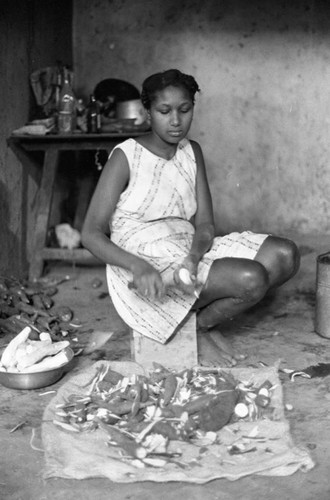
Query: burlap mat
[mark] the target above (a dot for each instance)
(86, 455)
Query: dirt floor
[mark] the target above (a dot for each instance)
(281, 327)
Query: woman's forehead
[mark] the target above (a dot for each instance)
(172, 93)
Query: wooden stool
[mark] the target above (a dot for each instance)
(178, 353)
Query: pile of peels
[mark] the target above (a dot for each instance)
(141, 414)
(25, 303)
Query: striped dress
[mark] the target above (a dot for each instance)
(152, 220)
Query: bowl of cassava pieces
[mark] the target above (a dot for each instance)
(33, 364)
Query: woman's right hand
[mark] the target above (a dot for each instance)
(147, 280)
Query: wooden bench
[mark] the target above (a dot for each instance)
(52, 146)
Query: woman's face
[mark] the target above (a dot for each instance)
(171, 114)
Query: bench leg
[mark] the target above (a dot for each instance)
(44, 204)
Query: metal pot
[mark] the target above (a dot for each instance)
(132, 109)
(322, 302)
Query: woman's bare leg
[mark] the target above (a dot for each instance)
(234, 285)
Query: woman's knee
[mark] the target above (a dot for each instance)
(254, 282)
(239, 279)
(280, 257)
(286, 257)
(289, 256)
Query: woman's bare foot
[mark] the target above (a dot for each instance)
(225, 345)
(214, 353)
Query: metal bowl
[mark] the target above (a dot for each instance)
(35, 380)
(132, 109)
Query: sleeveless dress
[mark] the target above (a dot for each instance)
(152, 220)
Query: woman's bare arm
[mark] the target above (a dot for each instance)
(112, 182)
(204, 220)
(203, 223)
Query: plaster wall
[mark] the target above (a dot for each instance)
(14, 105)
(262, 117)
(33, 34)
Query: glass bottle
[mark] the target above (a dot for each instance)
(67, 105)
(57, 92)
(93, 116)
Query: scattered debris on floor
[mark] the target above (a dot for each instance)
(320, 370)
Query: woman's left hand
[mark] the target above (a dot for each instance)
(185, 275)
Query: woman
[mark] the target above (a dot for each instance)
(154, 194)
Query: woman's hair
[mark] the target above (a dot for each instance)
(159, 81)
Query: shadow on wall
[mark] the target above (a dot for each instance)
(10, 259)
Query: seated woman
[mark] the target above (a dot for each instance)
(154, 195)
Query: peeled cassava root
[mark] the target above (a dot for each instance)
(40, 352)
(9, 354)
(25, 355)
(185, 277)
